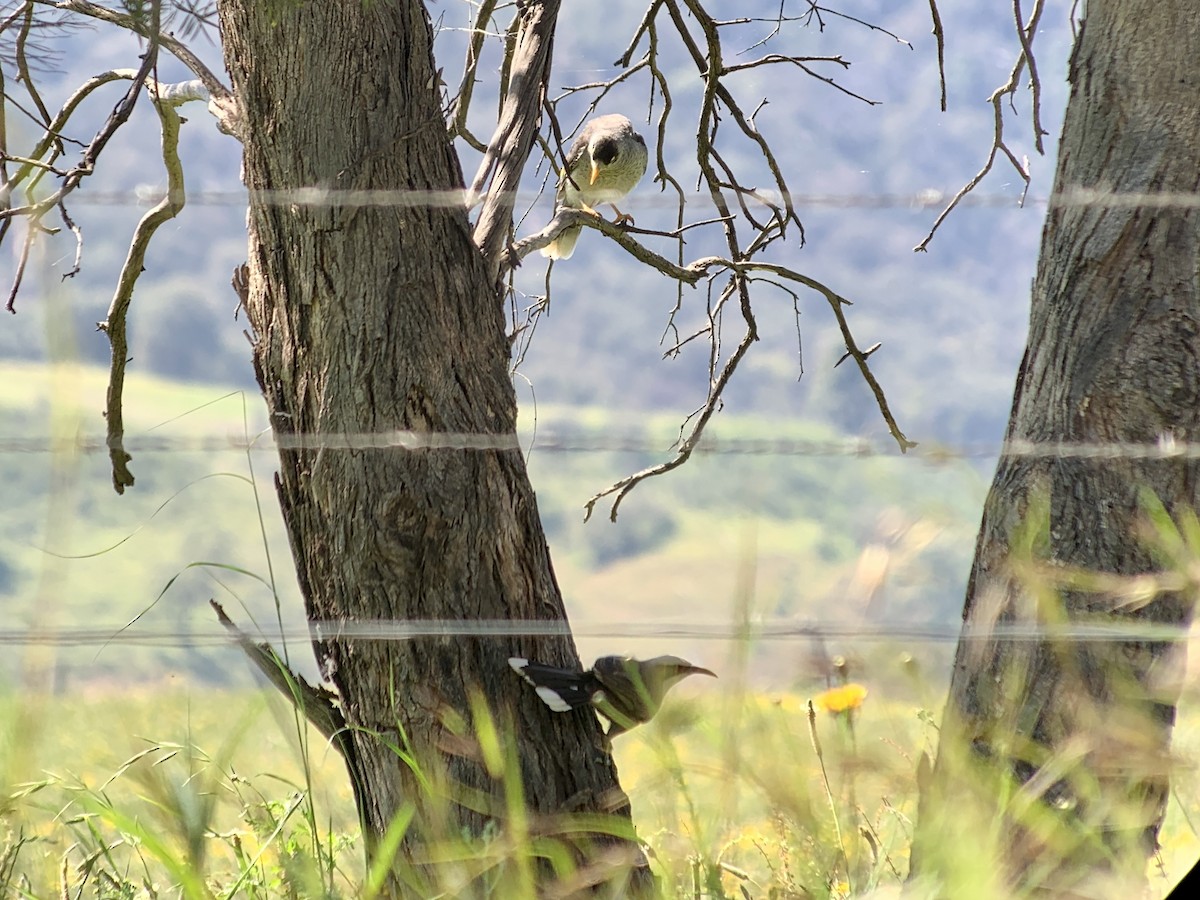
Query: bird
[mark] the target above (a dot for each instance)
(624, 690)
(605, 163)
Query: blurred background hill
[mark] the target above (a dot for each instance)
(801, 511)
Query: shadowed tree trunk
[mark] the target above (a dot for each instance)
(376, 319)
(1059, 745)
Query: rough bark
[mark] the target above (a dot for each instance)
(1060, 745)
(372, 319)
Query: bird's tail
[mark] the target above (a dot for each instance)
(564, 245)
(560, 689)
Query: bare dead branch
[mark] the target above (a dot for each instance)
(52, 136)
(461, 104)
(12, 17)
(1025, 36)
(687, 445)
(5, 189)
(35, 211)
(23, 71)
(75, 230)
(814, 13)
(643, 28)
(750, 217)
(837, 304)
(512, 141)
(33, 163)
(317, 704)
(601, 87)
(776, 27)
(691, 274)
(19, 275)
(567, 217)
(41, 160)
(845, 356)
(939, 35)
(997, 142)
(114, 324)
(773, 58)
(511, 35)
(715, 91)
(664, 177)
(222, 103)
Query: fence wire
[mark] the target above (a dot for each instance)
(548, 443)
(925, 199)
(1166, 447)
(393, 630)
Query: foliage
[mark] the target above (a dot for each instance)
(737, 795)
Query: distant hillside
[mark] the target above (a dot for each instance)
(777, 530)
(951, 321)
(771, 522)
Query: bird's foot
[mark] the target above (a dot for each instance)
(622, 218)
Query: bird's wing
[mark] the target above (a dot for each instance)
(560, 689)
(574, 156)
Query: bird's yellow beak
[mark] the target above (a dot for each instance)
(595, 173)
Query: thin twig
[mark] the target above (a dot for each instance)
(939, 35)
(751, 218)
(686, 446)
(870, 26)
(19, 275)
(222, 100)
(466, 87)
(1025, 30)
(23, 73)
(798, 61)
(75, 230)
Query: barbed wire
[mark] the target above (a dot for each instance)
(1165, 448)
(778, 630)
(929, 198)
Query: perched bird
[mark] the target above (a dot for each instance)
(625, 691)
(604, 164)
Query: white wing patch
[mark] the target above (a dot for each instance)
(551, 698)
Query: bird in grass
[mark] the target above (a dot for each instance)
(624, 690)
(604, 164)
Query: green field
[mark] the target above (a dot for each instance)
(137, 754)
(779, 524)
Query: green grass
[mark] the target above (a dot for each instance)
(201, 793)
(115, 792)
(210, 788)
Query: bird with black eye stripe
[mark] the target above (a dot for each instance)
(624, 690)
(605, 163)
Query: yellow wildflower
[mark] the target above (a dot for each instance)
(841, 699)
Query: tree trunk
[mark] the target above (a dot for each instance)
(1061, 742)
(377, 319)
